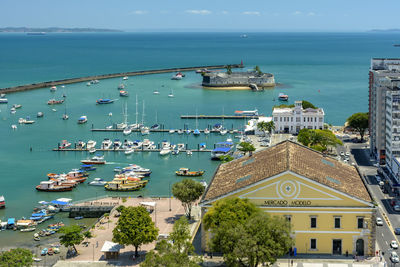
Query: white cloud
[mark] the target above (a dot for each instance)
(224, 12)
(253, 13)
(311, 14)
(138, 12)
(297, 13)
(198, 12)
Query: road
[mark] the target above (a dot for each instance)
(384, 234)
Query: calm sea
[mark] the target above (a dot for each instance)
(329, 70)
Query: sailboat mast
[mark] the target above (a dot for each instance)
(126, 113)
(136, 110)
(143, 114)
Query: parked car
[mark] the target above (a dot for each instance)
(394, 244)
(44, 252)
(396, 208)
(341, 153)
(378, 178)
(397, 231)
(347, 153)
(379, 221)
(394, 257)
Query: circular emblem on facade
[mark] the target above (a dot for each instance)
(287, 189)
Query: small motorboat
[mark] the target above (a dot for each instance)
(31, 229)
(13, 110)
(123, 93)
(91, 144)
(125, 78)
(121, 86)
(65, 116)
(104, 101)
(98, 181)
(106, 144)
(127, 130)
(89, 84)
(94, 160)
(92, 150)
(39, 114)
(196, 132)
(17, 106)
(171, 131)
(171, 94)
(189, 152)
(283, 97)
(82, 120)
(55, 102)
(129, 151)
(223, 131)
(53, 89)
(187, 172)
(3, 100)
(64, 144)
(156, 92)
(177, 76)
(14, 127)
(206, 131)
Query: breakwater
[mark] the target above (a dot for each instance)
(33, 86)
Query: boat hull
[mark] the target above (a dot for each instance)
(93, 162)
(63, 189)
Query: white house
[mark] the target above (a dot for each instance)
(292, 120)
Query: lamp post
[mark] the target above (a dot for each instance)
(169, 195)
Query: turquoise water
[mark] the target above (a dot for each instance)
(330, 70)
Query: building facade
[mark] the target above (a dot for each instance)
(384, 112)
(292, 120)
(222, 79)
(326, 201)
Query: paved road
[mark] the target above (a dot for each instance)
(384, 234)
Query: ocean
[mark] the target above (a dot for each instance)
(328, 69)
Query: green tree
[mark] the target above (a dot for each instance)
(266, 126)
(318, 139)
(176, 251)
(359, 122)
(246, 147)
(226, 158)
(229, 69)
(305, 104)
(258, 70)
(17, 257)
(187, 191)
(71, 236)
(245, 235)
(135, 227)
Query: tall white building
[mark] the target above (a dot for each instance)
(384, 109)
(292, 120)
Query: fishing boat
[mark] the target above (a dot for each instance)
(91, 144)
(177, 76)
(206, 131)
(121, 86)
(94, 160)
(123, 93)
(222, 149)
(98, 181)
(82, 120)
(283, 97)
(64, 144)
(187, 172)
(106, 144)
(125, 78)
(55, 102)
(104, 101)
(53, 186)
(39, 114)
(246, 112)
(53, 89)
(2, 202)
(123, 184)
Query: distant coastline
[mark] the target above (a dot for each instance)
(54, 30)
(385, 30)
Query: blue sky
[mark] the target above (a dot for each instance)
(208, 15)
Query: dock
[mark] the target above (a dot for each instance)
(123, 150)
(220, 117)
(33, 86)
(155, 130)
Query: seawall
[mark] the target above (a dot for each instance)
(33, 86)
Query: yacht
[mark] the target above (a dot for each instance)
(127, 130)
(64, 144)
(137, 144)
(127, 144)
(98, 181)
(129, 151)
(81, 145)
(223, 131)
(106, 144)
(117, 144)
(181, 147)
(91, 144)
(206, 131)
(94, 160)
(122, 125)
(165, 148)
(196, 132)
(147, 144)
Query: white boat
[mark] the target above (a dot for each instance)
(14, 127)
(82, 120)
(31, 229)
(206, 131)
(171, 94)
(91, 144)
(53, 89)
(181, 147)
(54, 110)
(117, 144)
(177, 76)
(109, 127)
(180, 131)
(156, 92)
(17, 106)
(125, 78)
(106, 144)
(246, 112)
(110, 114)
(171, 131)
(147, 144)
(121, 86)
(3, 100)
(145, 130)
(188, 131)
(98, 181)
(39, 114)
(13, 110)
(223, 131)
(129, 151)
(81, 145)
(189, 152)
(122, 125)
(165, 148)
(127, 130)
(88, 84)
(137, 144)
(92, 150)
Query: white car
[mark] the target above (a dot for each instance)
(342, 153)
(347, 153)
(394, 257)
(379, 221)
(396, 208)
(394, 244)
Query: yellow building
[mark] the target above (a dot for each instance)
(326, 201)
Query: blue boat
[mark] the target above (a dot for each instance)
(10, 222)
(196, 132)
(202, 146)
(87, 167)
(217, 127)
(222, 149)
(104, 101)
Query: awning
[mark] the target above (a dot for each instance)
(57, 202)
(11, 221)
(110, 247)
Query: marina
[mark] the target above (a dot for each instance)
(220, 117)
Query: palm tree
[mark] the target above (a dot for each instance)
(266, 126)
(270, 126)
(229, 69)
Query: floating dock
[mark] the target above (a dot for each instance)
(219, 117)
(123, 150)
(33, 86)
(157, 130)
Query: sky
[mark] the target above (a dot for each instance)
(204, 15)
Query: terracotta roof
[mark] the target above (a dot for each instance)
(286, 156)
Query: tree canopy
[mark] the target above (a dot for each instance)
(318, 139)
(266, 126)
(229, 69)
(176, 251)
(245, 235)
(135, 227)
(71, 236)
(304, 104)
(17, 257)
(359, 122)
(187, 191)
(246, 147)
(226, 158)
(258, 70)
